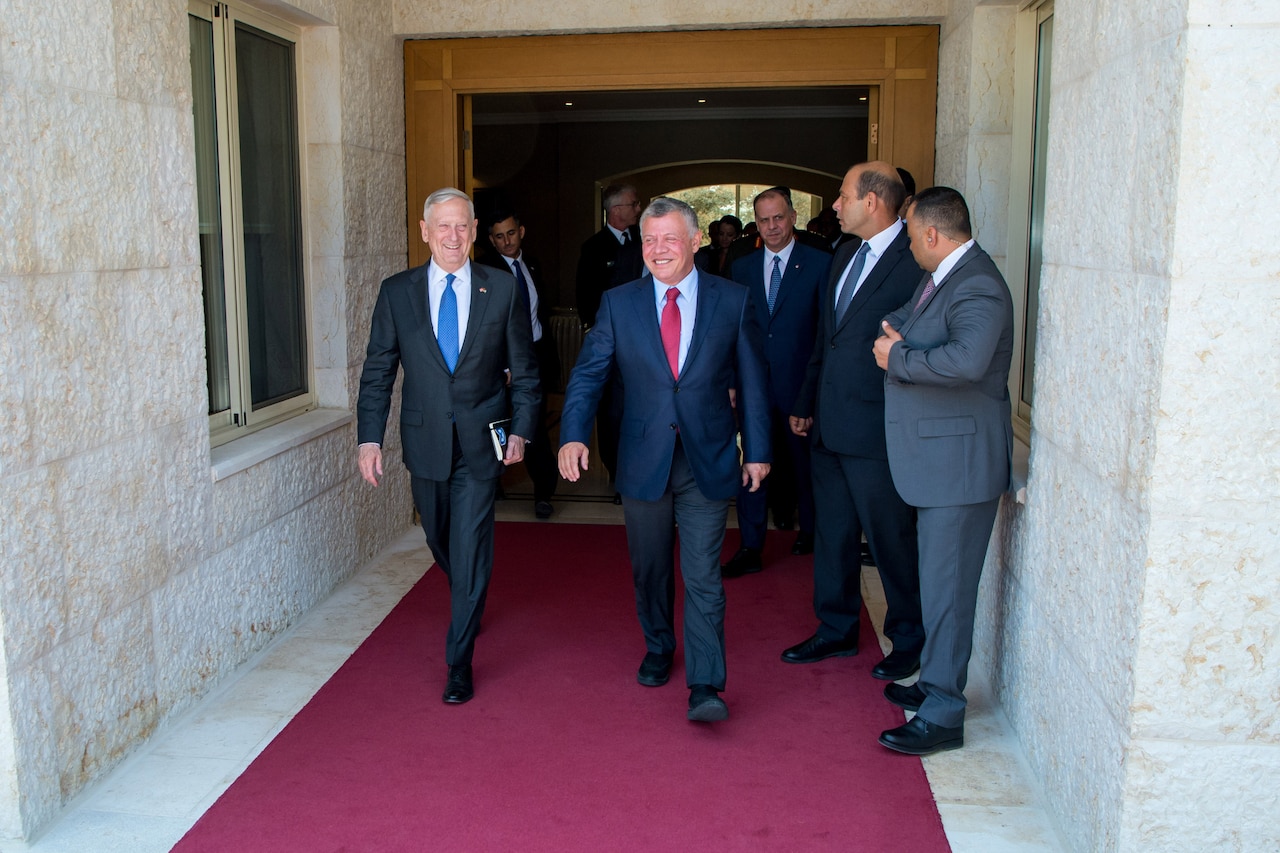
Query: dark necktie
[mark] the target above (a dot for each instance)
(522, 288)
(928, 290)
(851, 281)
(626, 237)
(671, 331)
(775, 281)
(447, 324)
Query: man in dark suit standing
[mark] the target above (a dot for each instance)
(785, 281)
(946, 356)
(841, 406)
(680, 339)
(455, 328)
(610, 257)
(506, 235)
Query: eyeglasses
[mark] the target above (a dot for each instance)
(625, 204)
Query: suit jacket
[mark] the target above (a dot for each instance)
(790, 331)
(498, 337)
(843, 388)
(602, 264)
(947, 408)
(725, 345)
(544, 347)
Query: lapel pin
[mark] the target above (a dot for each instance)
(482, 290)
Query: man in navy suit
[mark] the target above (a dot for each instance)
(946, 354)
(506, 234)
(680, 341)
(785, 281)
(455, 328)
(842, 408)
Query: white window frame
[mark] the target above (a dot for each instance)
(241, 418)
(1026, 68)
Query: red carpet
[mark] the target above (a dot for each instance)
(561, 750)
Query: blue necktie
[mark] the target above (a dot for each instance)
(522, 287)
(851, 281)
(775, 281)
(447, 324)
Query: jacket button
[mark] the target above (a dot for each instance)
(673, 426)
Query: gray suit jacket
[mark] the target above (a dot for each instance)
(498, 337)
(947, 410)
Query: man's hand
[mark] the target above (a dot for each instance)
(573, 460)
(369, 459)
(515, 450)
(733, 398)
(754, 473)
(884, 343)
(800, 426)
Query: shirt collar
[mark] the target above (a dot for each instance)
(785, 254)
(950, 261)
(877, 245)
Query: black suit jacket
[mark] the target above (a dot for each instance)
(844, 388)
(544, 347)
(498, 337)
(602, 264)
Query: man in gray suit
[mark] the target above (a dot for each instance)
(455, 328)
(946, 356)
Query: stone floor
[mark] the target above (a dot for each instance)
(985, 793)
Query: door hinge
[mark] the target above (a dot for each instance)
(875, 133)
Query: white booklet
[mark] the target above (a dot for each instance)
(498, 431)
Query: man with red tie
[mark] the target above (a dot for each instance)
(680, 341)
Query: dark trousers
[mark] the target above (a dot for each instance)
(651, 534)
(457, 517)
(856, 496)
(789, 485)
(539, 457)
(953, 547)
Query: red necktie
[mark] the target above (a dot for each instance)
(671, 331)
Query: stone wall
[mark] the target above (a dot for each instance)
(132, 581)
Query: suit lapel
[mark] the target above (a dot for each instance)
(790, 273)
(938, 285)
(708, 297)
(480, 300)
(879, 273)
(420, 300)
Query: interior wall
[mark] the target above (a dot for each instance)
(549, 171)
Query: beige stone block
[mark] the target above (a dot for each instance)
(325, 210)
(32, 688)
(1209, 651)
(17, 346)
(991, 70)
(328, 314)
(104, 695)
(1231, 112)
(171, 188)
(111, 504)
(1096, 380)
(164, 351)
(387, 206)
(71, 357)
(320, 75)
(987, 190)
(1232, 13)
(1196, 796)
(33, 600)
(356, 165)
(60, 43)
(188, 491)
(16, 179)
(151, 42)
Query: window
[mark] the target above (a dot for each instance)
(714, 201)
(1026, 215)
(248, 186)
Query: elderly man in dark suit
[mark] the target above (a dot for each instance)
(841, 406)
(506, 235)
(946, 356)
(785, 281)
(680, 339)
(455, 328)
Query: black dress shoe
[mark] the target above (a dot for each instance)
(458, 688)
(784, 522)
(655, 669)
(815, 649)
(542, 509)
(896, 666)
(909, 697)
(617, 498)
(803, 544)
(745, 562)
(919, 737)
(705, 705)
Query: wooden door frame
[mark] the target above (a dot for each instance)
(899, 64)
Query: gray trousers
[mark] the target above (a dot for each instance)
(953, 546)
(651, 534)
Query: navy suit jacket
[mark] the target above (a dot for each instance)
(725, 346)
(499, 336)
(844, 387)
(789, 333)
